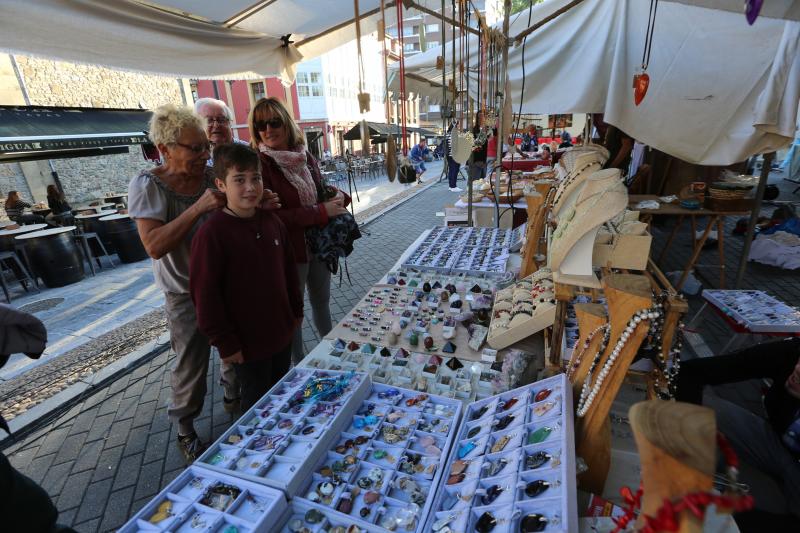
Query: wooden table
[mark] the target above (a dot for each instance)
(525, 165)
(715, 218)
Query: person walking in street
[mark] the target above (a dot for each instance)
(168, 203)
(291, 171)
(453, 166)
(243, 279)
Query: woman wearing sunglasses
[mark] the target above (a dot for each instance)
(289, 170)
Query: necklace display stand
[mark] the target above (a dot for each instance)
(677, 448)
(570, 253)
(590, 317)
(584, 166)
(537, 215)
(626, 294)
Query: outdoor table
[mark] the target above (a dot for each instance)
(42, 212)
(6, 223)
(95, 208)
(715, 218)
(7, 235)
(739, 333)
(121, 231)
(525, 165)
(90, 224)
(53, 255)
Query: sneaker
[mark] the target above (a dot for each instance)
(231, 406)
(191, 447)
(456, 189)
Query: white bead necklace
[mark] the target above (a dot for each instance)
(606, 330)
(589, 392)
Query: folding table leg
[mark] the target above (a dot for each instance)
(721, 250)
(697, 249)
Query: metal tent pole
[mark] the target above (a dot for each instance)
(751, 225)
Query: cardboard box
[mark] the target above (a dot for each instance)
(623, 251)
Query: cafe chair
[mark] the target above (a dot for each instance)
(18, 269)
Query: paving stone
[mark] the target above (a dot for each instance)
(107, 463)
(94, 500)
(136, 441)
(100, 427)
(55, 478)
(21, 459)
(39, 466)
(53, 441)
(156, 447)
(127, 472)
(90, 526)
(83, 422)
(65, 518)
(135, 388)
(70, 448)
(76, 485)
(149, 480)
(117, 509)
(144, 414)
(126, 409)
(118, 433)
(87, 459)
(110, 404)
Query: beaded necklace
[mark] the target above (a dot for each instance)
(589, 392)
(606, 330)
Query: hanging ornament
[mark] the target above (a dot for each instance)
(363, 96)
(363, 102)
(439, 62)
(365, 145)
(641, 80)
(751, 10)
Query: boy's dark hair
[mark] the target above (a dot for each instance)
(238, 156)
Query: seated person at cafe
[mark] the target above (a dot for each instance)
(15, 207)
(57, 202)
(566, 140)
(544, 153)
(243, 279)
(768, 443)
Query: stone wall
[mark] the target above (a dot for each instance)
(58, 83)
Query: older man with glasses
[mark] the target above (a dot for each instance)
(218, 123)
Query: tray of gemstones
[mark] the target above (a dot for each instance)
(289, 428)
(203, 500)
(303, 516)
(420, 318)
(444, 247)
(481, 260)
(512, 466)
(382, 470)
(392, 365)
(756, 310)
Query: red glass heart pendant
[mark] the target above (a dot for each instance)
(640, 84)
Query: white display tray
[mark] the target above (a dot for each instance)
(286, 464)
(418, 418)
(751, 309)
(512, 503)
(253, 511)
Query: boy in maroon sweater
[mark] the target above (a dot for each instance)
(243, 279)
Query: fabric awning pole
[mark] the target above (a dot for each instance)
(751, 224)
(500, 125)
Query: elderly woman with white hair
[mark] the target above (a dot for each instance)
(168, 203)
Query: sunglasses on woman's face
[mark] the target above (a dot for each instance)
(274, 123)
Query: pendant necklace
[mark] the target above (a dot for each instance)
(258, 231)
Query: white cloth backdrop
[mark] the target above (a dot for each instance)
(720, 90)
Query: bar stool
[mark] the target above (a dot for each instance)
(26, 277)
(84, 239)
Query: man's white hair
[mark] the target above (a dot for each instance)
(205, 101)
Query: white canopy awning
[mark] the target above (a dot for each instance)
(234, 39)
(720, 90)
